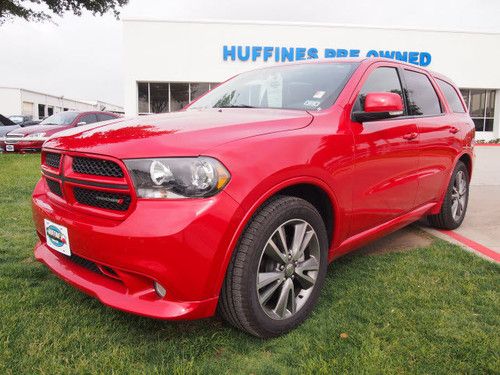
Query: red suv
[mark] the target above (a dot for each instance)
(237, 203)
(31, 139)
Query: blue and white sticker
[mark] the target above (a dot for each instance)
(57, 237)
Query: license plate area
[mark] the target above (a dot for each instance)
(57, 237)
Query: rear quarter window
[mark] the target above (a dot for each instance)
(451, 96)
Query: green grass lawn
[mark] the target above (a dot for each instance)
(430, 310)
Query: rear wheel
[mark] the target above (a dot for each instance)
(277, 270)
(454, 206)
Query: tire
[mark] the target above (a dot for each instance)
(448, 218)
(247, 297)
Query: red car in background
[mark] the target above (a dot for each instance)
(237, 203)
(30, 139)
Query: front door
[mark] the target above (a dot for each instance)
(386, 158)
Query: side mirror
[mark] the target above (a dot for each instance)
(379, 106)
(81, 123)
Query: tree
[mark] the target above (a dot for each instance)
(42, 10)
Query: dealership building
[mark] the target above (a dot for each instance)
(39, 105)
(170, 63)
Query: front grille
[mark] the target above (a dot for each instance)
(102, 199)
(54, 187)
(97, 167)
(91, 266)
(53, 160)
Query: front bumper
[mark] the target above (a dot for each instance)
(180, 244)
(21, 144)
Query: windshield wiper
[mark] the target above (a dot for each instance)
(235, 106)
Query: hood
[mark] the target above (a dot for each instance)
(7, 129)
(47, 129)
(185, 133)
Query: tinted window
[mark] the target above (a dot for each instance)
(104, 117)
(422, 98)
(451, 96)
(143, 94)
(198, 89)
(41, 111)
(88, 119)
(179, 96)
(158, 97)
(380, 80)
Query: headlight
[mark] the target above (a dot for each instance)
(37, 135)
(176, 178)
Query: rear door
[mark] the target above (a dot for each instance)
(436, 132)
(386, 156)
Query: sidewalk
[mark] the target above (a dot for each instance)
(480, 231)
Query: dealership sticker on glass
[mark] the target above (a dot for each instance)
(57, 237)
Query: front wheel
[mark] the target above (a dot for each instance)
(455, 202)
(277, 270)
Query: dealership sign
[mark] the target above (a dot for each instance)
(285, 54)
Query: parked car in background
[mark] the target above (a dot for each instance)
(31, 138)
(238, 202)
(5, 121)
(8, 124)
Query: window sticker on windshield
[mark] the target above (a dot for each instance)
(312, 103)
(274, 88)
(319, 94)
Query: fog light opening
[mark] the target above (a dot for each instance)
(160, 290)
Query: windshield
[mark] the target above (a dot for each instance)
(61, 118)
(304, 86)
(16, 119)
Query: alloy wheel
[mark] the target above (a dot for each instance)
(458, 196)
(288, 269)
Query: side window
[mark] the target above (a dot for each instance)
(451, 96)
(88, 119)
(422, 98)
(104, 117)
(383, 79)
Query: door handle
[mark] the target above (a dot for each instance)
(453, 130)
(410, 136)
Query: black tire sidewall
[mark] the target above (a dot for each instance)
(299, 209)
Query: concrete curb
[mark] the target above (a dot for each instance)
(465, 243)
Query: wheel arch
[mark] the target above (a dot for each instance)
(467, 159)
(311, 189)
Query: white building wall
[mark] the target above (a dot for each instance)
(185, 51)
(10, 101)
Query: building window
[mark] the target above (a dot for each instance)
(41, 111)
(481, 106)
(50, 111)
(179, 96)
(143, 93)
(160, 97)
(198, 89)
